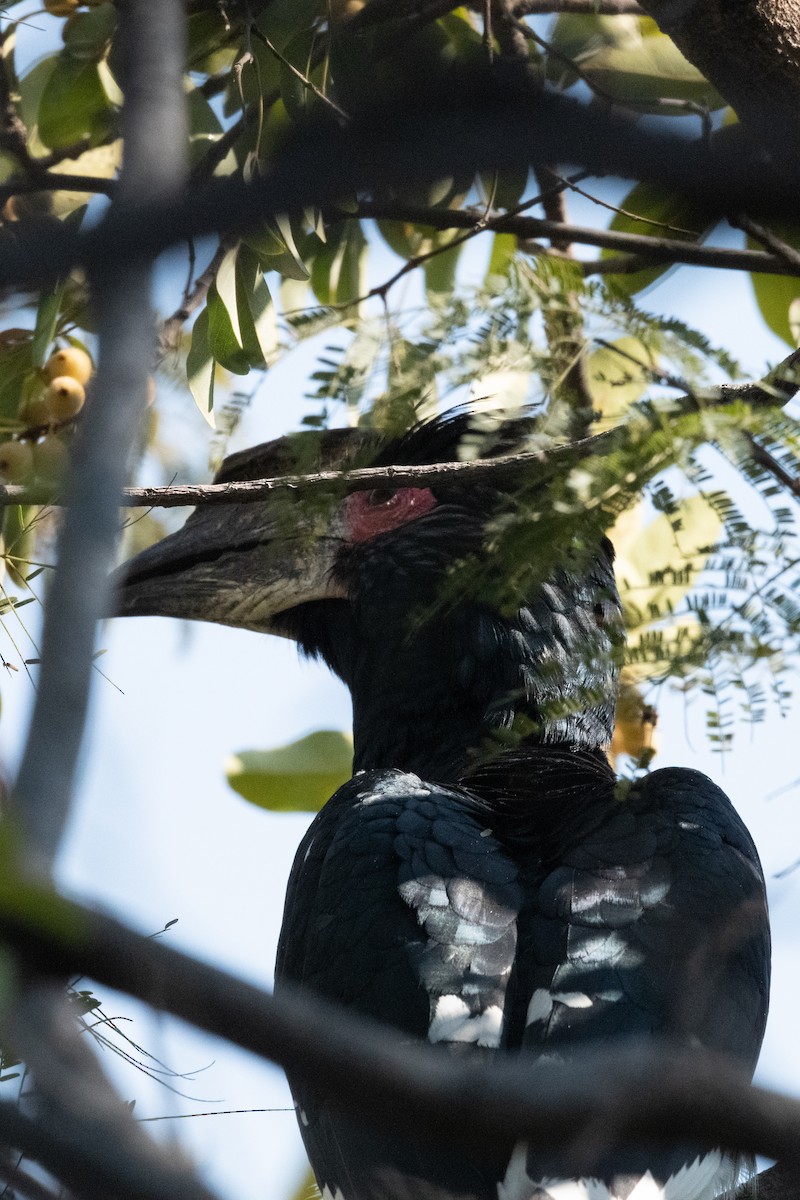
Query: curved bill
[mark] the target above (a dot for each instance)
(239, 564)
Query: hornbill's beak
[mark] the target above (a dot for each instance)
(241, 564)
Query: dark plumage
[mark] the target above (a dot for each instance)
(482, 882)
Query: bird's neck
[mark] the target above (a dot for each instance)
(473, 685)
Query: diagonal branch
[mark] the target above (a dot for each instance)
(662, 1094)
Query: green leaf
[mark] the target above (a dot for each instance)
(440, 272)
(74, 104)
(87, 35)
(299, 777)
(663, 214)
(778, 296)
(256, 310)
(647, 73)
(200, 368)
(338, 272)
(46, 320)
(225, 346)
(296, 95)
(225, 284)
(16, 364)
(614, 380)
(504, 247)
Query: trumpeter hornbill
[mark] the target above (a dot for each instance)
(481, 882)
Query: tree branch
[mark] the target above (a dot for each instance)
(652, 249)
(635, 1093)
(420, 136)
(155, 138)
(591, 8)
(776, 388)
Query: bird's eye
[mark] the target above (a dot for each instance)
(380, 497)
(385, 508)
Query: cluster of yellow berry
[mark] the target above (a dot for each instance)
(60, 399)
(65, 8)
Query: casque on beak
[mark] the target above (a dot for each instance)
(242, 564)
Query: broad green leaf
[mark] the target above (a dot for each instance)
(46, 320)
(256, 310)
(202, 118)
(31, 87)
(225, 284)
(102, 161)
(614, 381)
(578, 36)
(200, 368)
(644, 74)
(338, 271)
(440, 272)
(299, 777)
(297, 96)
(504, 247)
(74, 104)
(663, 214)
(16, 364)
(281, 19)
(87, 35)
(225, 346)
(777, 296)
(19, 537)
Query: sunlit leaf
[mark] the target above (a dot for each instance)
(225, 283)
(200, 368)
(777, 296)
(657, 565)
(615, 380)
(256, 311)
(338, 271)
(298, 777)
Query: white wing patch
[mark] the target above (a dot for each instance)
(710, 1175)
(453, 1022)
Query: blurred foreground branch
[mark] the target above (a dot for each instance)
(661, 1094)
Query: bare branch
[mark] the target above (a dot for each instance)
(653, 249)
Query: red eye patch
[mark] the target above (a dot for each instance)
(371, 513)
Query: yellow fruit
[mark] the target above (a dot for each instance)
(65, 398)
(16, 461)
(36, 411)
(50, 458)
(71, 361)
(61, 8)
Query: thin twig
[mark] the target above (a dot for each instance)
(767, 238)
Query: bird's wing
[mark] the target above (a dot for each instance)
(649, 919)
(401, 904)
